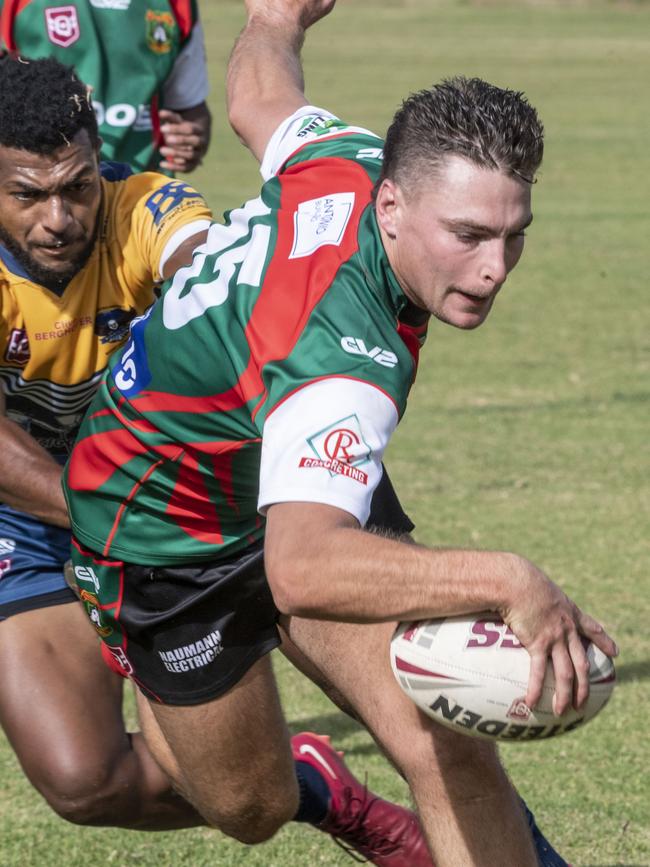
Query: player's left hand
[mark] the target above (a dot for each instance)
(185, 141)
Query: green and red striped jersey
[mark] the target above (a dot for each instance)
(272, 369)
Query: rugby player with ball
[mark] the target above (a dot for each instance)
(222, 478)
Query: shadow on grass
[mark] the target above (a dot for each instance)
(338, 726)
(626, 672)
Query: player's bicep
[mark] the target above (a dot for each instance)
(180, 251)
(324, 444)
(307, 124)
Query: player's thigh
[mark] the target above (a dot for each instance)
(232, 752)
(351, 662)
(60, 706)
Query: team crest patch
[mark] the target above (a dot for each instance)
(339, 448)
(112, 324)
(160, 29)
(17, 347)
(62, 25)
(91, 604)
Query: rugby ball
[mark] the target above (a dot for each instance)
(470, 673)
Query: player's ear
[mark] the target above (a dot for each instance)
(388, 206)
(98, 147)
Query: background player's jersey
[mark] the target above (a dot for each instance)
(131, 54)
(271, 370)
(54, 348)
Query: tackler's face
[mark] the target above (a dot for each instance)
(453, 240)
(48, 208)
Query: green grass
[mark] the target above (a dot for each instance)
(529, 434)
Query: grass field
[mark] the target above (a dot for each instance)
(530, 434)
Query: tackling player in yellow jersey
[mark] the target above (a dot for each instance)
(82, 247)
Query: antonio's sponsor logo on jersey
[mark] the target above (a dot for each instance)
(160, 27)
(356, 346)
(5, 566)
(339, 448)
(62, 25)
(320, 221)
(112, 323)
(17, 347)
(195, 655)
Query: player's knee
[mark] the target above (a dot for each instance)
(252, 820)
(84, 794)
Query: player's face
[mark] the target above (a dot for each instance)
(453, 241)
(48, 208)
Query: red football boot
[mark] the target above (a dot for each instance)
(385, 834)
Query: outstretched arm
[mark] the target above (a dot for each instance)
(265, 83)
(349, 575)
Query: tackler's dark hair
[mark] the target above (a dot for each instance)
(43, 105)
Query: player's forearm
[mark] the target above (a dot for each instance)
(30, 480)
(265, 81)
(355, 576)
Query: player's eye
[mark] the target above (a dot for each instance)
(25, 195)
(468, 238)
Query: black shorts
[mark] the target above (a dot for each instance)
(188, 634)
(184, 634)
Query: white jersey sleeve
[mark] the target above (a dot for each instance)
(187, 84)
(325, 443)
(306, 124)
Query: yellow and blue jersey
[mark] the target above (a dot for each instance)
(55, 347)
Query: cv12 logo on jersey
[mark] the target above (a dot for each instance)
(356, 346)
(62, 25)
(339, 448)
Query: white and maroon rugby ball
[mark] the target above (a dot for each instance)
(470, 673)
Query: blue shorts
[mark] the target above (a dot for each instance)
(32, 555)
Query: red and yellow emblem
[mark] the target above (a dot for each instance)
(160, 28)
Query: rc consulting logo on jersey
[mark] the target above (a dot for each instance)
(339, 448)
